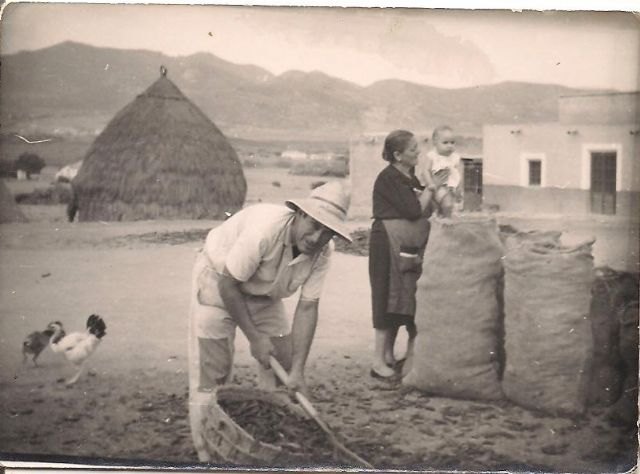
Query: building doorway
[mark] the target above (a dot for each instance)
(603, 182)
(472, 184)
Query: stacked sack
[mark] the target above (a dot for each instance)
(510, 237)
(625, 410)
(518, 314)
(614, 322)
(606, 382)
(548, 339)
(457, 347)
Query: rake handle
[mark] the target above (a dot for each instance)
(313, 413)
(284, 378)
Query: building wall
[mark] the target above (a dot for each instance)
(294, 155)
(566, 164)
(555, 200)
(606, 109)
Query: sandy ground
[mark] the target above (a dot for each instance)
(132, 404)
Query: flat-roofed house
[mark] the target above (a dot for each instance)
(585, 163)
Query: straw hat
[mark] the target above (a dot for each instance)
(328, 204)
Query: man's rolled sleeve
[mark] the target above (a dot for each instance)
(245, 255)
(312, 287)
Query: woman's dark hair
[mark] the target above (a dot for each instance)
(398, 140)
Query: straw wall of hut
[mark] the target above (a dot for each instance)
(159, 157)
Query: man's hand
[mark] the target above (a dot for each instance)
(297, 383)
(261, 349)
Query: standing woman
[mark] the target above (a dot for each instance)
(398, 238)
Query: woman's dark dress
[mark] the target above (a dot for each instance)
(393, 198)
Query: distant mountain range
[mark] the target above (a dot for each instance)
(73, 88)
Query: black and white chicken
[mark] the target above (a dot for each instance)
(36, 342)
(77, 347)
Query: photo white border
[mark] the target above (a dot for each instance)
(513, 5)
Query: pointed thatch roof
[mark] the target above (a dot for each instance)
(9, 210)
(159, 157)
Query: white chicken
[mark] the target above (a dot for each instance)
(77, 347)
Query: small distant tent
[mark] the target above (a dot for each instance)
(9, 210)
(67, 173)
(159, 158)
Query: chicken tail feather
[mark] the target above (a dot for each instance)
(96, 326)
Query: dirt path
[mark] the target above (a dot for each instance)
(133, 403)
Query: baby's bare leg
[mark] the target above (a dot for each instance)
(446, 204)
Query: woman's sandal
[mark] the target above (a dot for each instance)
(389, 378)
(398, 364)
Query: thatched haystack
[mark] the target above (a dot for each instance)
(159, 158)
(9, 210)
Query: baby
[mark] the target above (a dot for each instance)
(442, 161)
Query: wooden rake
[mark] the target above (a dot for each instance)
(311, 411)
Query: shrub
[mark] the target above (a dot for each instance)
(266, 162)
(359, 246)
(30, 163)
(335, 167)
(275, 184)
(55, 194)
(7, 168)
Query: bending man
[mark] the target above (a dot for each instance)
(259, 256)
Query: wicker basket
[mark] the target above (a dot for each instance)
(227, 441)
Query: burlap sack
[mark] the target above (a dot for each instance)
(625, 297)
(625, 410)
(457, 311)
(512, 237)
(606, 374)
(548, 338)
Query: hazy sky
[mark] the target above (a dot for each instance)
(443, 48)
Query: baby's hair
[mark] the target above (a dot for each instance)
(438, 130)
(398, 140)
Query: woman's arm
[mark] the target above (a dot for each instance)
(396, 194)
(425, 170)
(426, 196)
(429, 193)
